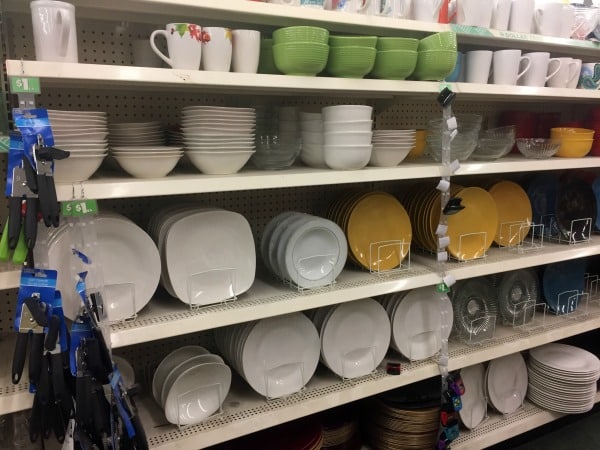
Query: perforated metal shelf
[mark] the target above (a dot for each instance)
(13, 397)
(246, 412)
(499, 428)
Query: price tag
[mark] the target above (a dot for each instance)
(78, 208)
(442, 288)
(25, 85)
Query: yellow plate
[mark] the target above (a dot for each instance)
(514, 213)
(472, 230)
(378, 217)
(433, 213)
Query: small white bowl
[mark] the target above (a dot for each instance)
(315, 126)
(219, 163)
(388, 157)
(77, 168)
(347, 157)
(348, 138)
(341, 113)
(145, 148)
(312, 138)
(353, 125)
(222, 148)
(83, 148)
(313, 160)
(147, 155)
(144, 166)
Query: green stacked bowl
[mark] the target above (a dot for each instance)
(437, 56)
(397, 43)
(266, 62)
(300, 50)
(445, 40)
(351, 56)
(394, 64)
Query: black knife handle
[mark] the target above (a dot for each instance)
(31, 222)
(19, 356)
(54, 208)
(52, 334)
(35, 421)
(58, 377)
(14, 221)
(58, 423)
(45, 200)
(43, 385)
(36, 356)
(83, 404)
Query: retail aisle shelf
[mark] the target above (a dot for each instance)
(169, 317)
(245, 412)
(498, 428)
(13, 397)
(113, 185)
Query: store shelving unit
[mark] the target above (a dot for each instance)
(244, 411)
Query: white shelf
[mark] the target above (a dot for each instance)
(498, 428)
(169, 317)
(112, 185)
(13, 397)
(246, 412)
(10, 275)
(72, 75)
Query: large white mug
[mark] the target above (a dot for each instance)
(567, 21)
(478, 65)
(521, 16)
(548, 19)
(54, 31)
(184, 45)
(542, 69)
(246, 51)
(476, 13)
(427, 10)
(400, 9)
(506, 66)
(568, 71)
(572, 83)
(217, 49)
(501, 14)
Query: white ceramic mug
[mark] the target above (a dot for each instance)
(427, 10)
(184, 45)
(246, 51)
(501, 14)
(478, 65)
(143, 55)
(542, 68)
(572, 83)
(399, 9)
(568, 71)
(352, 6)
(54, 31)
(475, 13)
(217, 49)
(521, 16)
(548, 18)
(567, 21)
(506, 66)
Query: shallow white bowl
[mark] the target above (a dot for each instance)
(340, 113)
(316, 160)
(387, 157)
(146, 148)
(219, 163)
(144, 166)
(347, 157)
(148, 154)
(315, 126)
(81, 148)
(352, 125)
(312, 138)
(221, 148)
(348, 138)
(77, 168)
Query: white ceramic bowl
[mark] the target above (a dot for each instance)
(312, 138)
(288, 126)
(77, 168)
(219, 163)
(315, 126)
(146, 148)
(379, 140)
(348, 138)
(67, 138)
(388, 157)
(149, 154)
(80, 148)
(347, 157)
(351, 125)
(341, 113)
(221, 148)
(313, 160)
(307, 116)
(144, 166)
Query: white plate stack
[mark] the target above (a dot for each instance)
(138, 134)
(355, 336)
(218, 140)
(276, 356)
(84, 134)
(190, 384)
(390, 147)
(129, 260)
(563, 378)
(416, 320)
(207, 254)
(474, 403)
(306, 250)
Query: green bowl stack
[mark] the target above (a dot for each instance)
(351, 56)
(266, 62)
(300, 50)
(437, 56)
(396, 58)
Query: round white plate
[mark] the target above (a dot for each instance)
(134, 125)
(566, 358)
(266, 236)
(474, 404)
(74, 114)
(507, 383)
(219, 109)
(125, 369)
(275, 238)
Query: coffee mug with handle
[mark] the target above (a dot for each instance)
(501, 14)
(521, 16)
(427, 10)
(548, 19)
(542, 69)
(184, 45)
(217, 49)
(399, 9)
(508, 66)
(474, 13)
(478, 65)
(568, 71)
(54, 31)
(573, 81)
(590, 76)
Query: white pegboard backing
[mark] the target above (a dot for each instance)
(8, 301)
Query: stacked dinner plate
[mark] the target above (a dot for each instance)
(563, 284)
(390, 147)
(83, 134)
(377, 228)
(190, 384)
(474, 403)
(128, 258)
(218, 140)
(126, 134)
(306, 250)
(417, 324)
(208, 254)
(506, 383)
(514, 213)
(518, 294)
(563, 378)
(276, 356)
(354, 336)
(475, 307)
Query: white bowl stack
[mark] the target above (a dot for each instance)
(218, 140)
(311, 127)
(84, 135)
(136, 134)
(390, 147)
(347, 136)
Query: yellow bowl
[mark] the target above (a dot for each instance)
(419, 147)
(581, 133)
(574, 148)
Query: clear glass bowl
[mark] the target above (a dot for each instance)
(461, 147)
(275, 151)
(508, 132)
(538, 148)
(491, 148)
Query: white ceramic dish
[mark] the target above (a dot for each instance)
(145, 166)
(474, 404)
(146, 149)
(77, 168)
(347, 157)
(81, 136)
(219, 163)
(349, 126)
(133, 125)
(388, 157)
(348, 138)
(507, 383)
(125, 369)
(341, 113)
(73, 113)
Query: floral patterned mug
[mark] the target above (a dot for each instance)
(184, 45)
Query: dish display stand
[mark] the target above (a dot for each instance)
(375, 248)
